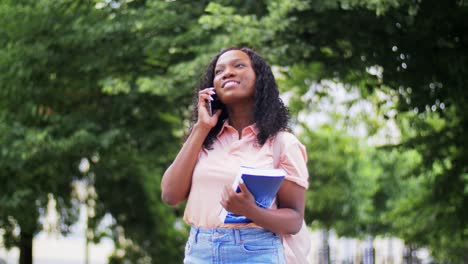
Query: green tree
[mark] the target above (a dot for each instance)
(80, 80)
(431, 85)
(398, 45)
(342, 182)
(110, 81)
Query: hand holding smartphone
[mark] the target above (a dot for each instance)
(213, 105)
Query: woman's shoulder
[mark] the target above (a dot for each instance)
(286, 137)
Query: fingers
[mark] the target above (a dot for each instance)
(237, 203)
(207, 90)
(217, 113)
(205, 94)
(228, 193)
(225, 195)
(204, 99)
(244, 188)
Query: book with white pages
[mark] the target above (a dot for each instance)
(262, 183)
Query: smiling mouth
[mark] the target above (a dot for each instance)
(230, 83)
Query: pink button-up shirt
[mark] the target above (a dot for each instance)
(218, 167)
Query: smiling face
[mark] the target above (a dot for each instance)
(234, 77)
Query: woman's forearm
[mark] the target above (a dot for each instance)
(286, 219)
(177, 179)
(280, 221)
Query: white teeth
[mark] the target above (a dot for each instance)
(230, 83)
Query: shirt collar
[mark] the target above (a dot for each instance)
(252, 128)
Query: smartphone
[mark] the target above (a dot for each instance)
(213, 105)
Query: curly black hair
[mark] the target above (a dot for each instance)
(270, 113)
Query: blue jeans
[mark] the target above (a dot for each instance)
(233, 245)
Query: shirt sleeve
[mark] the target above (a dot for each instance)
(293, 159)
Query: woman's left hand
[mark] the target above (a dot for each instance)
(238, 203)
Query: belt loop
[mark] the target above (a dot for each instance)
(237, 236)
(197, 230)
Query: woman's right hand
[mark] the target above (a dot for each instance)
(177, 179)
(204, 118)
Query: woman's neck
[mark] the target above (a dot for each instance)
(240, 117)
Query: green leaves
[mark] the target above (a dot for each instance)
(69, 90)
(342, 180)
(115, 80)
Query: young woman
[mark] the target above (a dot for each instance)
(241, 133)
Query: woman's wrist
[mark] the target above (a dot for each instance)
(199, 131)
(201, 128)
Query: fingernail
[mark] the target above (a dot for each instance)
(211, 98)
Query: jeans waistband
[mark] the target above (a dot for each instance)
(236, 235)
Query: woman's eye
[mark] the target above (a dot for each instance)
(240, 65)
(218, 72)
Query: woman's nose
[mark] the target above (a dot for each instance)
(228, 72)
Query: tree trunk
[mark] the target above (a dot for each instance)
(358, 255)
(325, 256)
(390, 251)
(409, 255)
(26, 243)
(369, 251)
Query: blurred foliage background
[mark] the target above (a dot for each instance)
(110, 84)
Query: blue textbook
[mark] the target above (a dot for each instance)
(262, 183)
